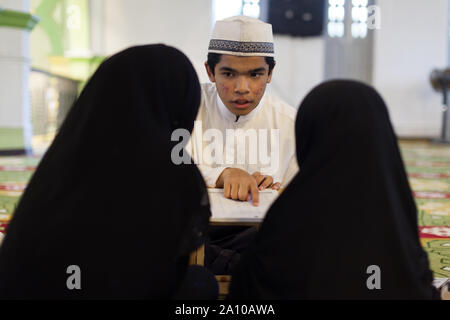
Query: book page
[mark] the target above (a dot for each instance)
(228, 210)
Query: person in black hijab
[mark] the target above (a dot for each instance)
(346, 226)
(106, 197)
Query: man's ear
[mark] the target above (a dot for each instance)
(271, 73)
(209, 72)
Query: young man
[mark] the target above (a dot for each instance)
(252, 133)
(243, 140)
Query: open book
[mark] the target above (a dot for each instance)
(235, 211)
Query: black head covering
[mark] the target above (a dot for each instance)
(106, 196)
(349, 207)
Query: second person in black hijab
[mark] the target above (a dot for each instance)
(347, 215)
(106, 198)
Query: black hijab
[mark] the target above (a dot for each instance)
(106, 196)
(349, 207)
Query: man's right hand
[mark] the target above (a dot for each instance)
(237, 184)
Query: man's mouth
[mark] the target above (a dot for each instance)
(241, 103)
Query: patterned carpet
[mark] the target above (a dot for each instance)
(15, 172)
(428, 167)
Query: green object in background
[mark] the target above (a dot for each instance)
(438, 253)
(83, 68)
(54, 28)
(11, 139)
(17, 19)
(66, 23)
(65, 27)
(77, 29)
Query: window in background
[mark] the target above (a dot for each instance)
(349, 47)
(251, 8)
(51, 97)
(336, 17)
(227, 8)
(359, 18)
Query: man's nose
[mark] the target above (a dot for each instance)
(242, 86)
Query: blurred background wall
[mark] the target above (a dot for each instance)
(392, 45)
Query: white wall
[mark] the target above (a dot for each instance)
(182, 24)
(299, 67)
(17, 5)
(14, 75)
(411, 42)
(14, 62)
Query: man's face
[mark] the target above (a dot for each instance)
(240, 82)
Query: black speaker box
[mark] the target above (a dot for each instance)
(301, 18)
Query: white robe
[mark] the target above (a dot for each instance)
(272, 152)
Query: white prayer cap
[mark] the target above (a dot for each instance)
(242, 36)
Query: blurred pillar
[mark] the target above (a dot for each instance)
(15, 112)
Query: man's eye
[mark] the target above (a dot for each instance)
(227, 74)
(256, 75)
